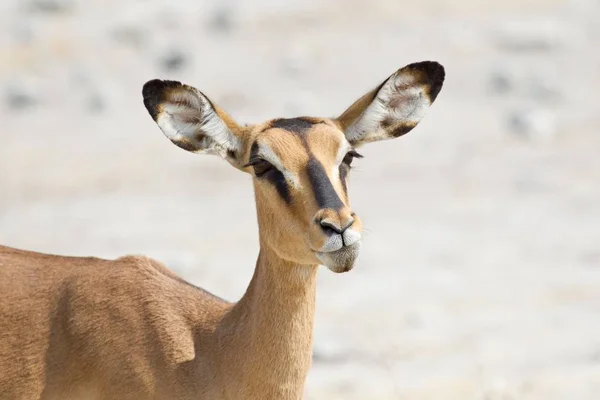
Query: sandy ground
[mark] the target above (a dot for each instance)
(480, 274)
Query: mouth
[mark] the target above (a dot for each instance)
(341, 260)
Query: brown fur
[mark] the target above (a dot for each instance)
(88, 328)
(131, 329)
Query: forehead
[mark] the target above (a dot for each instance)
(294, 140)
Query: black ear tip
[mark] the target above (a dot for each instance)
(156, 87)
(152, 87)
(153, 93)
(432, 69)
(433, 74)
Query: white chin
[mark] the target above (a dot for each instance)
(341, 260)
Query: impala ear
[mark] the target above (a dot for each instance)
(191, 121)
(394, 107)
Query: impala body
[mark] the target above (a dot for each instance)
(88, 328)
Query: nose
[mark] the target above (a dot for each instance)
(333, 226)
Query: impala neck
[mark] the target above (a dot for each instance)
(274, 325)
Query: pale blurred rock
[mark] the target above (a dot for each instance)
(297, 60)
(501, 81)
(129, 35)
(545, 86)
(50, 6)
(19, 94)
(223, 19)
(96, 103)
(534, 36)
(173, 60)
(537, 125)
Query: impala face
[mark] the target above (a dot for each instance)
(300, 166)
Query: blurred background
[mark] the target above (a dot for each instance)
(480, 274)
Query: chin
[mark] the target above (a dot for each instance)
(341, 260)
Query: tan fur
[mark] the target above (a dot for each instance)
(88, 328)
(131, 329)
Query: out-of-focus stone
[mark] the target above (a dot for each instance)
(20, 95)
(534, 36)
(49, 6)
(222, 19)
(538, 125)
(96, 103)
(545, 87)
(129, 35)
(501, 82)
(297, 60)
(173, 60)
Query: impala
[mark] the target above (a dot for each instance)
(130, 328)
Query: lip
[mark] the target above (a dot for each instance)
(343, 249)
(341, 260)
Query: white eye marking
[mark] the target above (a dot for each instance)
(345, 147)
(268, 154)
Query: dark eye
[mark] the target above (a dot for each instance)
(351, 155)
(261, 167)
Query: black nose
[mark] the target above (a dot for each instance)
(332, 227)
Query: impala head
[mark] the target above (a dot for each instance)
(300, 166)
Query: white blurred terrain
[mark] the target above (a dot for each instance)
(480, 273)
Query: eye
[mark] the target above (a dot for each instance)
(261, 167)
(350, 156)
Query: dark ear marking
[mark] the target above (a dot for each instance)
(185, 144)
(432, 76)
(401, 129)
(153, 93)
(191, 121)
(396, 106)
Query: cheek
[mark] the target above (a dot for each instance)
(283, 216)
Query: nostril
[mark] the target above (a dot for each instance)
(329, 227)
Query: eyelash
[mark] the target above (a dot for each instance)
(256, 162)
(348, 158)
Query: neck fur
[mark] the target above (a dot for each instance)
(272, 327)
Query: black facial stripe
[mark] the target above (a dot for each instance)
(296, 125)
(325, 194)
(274, 176)
(278, 180)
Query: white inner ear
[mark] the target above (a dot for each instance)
(401, 98)
(189, 116)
